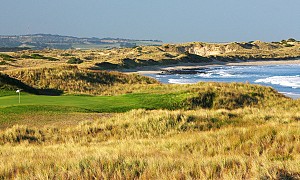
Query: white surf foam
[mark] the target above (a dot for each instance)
(287, 81)
(225, 74)
(291, 95)
(181, 81)
(160, 76)
(205, 75)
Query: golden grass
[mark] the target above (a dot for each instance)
(70, 79)
(247, 143)
(155, 55)
(52, 119)
(257, 140)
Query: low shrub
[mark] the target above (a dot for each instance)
(74, 60)
(66, 54)
(3, 63)
(38, 56)
(6, 57)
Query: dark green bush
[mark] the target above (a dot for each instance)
(221, 100)
(66, 54)
(6, 57)
(51, 59)
(291, 40)
(204, 100)
(2, 63)
(74, 60)
(25, 56)
(89, 58)
(37, 56)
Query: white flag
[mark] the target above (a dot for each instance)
(18, 91)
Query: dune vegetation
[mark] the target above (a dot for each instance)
(199, 131)
(71, 79)
(126, 58)
(78, 121)
(149, 144)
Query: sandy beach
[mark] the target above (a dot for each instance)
(158, 69)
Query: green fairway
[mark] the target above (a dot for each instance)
(41, 110)
(73, 103)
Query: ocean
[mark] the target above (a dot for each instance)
(284, 78)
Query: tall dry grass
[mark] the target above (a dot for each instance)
(70, 79)
(248, 143)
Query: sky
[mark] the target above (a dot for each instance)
(166, 20)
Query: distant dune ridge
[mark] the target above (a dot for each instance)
(49, 68)
(141, 56)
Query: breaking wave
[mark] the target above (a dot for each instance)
(284, 78)
(181, 81)
(287, 81)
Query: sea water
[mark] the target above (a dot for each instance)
(284, 78)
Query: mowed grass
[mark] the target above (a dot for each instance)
(39, 110)
(73, 103)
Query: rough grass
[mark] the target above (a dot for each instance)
(47, 118)
(202, 95)
(201, 144)
(212, 143)
(199, 131)
(70, 79)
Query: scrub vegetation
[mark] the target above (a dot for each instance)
(205, 130)
(80, 122)
(71, 79)
(167, 54)
(150, 144)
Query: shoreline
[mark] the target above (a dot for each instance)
(172, 69)
(188, 66)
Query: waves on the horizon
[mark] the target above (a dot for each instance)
(284, 78)
(215, 74)
(287, 81)
(292, 95)
(181, 81)
(229, 72)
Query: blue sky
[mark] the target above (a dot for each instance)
(167, 20)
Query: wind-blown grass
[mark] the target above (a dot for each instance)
(71, 79)
(158, 144)
(171, 97)
(199, 131)
(149, 130)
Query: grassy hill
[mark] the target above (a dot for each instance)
(152, 96)
(70, 79)
(198, 138)
(9, 85)
(109, 125)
